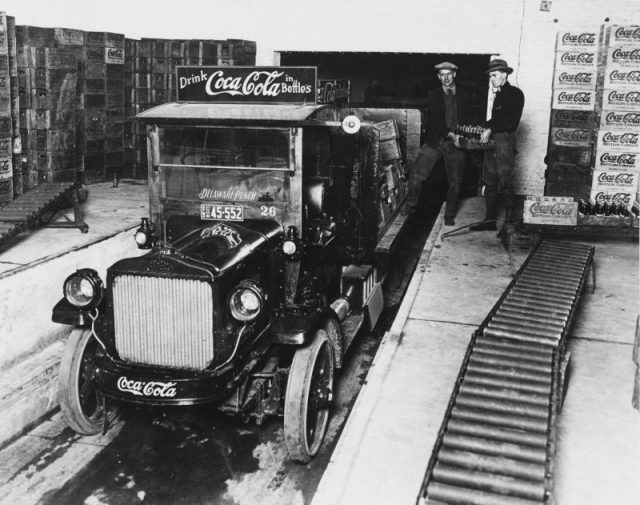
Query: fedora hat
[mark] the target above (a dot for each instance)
(499, 65)
(446, 65)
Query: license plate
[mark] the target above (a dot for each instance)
(222, 212)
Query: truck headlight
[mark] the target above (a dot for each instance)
(83, 288)
(289, 247)
(245, 302)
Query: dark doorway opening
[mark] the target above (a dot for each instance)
(383, 79)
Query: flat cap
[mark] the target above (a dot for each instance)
(446, 65)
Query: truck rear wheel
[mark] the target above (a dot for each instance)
(308, 398)
(80, 402)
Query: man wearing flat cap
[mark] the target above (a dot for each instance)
(503, 117)
(447, 106)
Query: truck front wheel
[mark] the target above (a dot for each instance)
(308, 398)
(80, 402)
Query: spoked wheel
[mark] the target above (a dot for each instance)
(308, 398)
(80, 402)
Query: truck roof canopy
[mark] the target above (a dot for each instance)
(284, 114)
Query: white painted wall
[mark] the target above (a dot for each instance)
(515, 29)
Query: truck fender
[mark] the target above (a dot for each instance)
(297, 326)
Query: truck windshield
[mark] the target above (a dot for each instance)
(260, 148)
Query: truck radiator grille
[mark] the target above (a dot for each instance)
(164, 322)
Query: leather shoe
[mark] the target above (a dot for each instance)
(484, 225)
(449, 221)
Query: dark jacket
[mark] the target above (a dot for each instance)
(507, 110)
(435, 114)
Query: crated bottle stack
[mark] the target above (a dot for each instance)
(605, 208)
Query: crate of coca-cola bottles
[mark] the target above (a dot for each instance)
(470, 136)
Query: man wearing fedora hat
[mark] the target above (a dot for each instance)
(503, 116)
(447, 106)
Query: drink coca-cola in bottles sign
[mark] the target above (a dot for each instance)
(247, 84)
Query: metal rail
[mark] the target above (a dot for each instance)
(497, 440)
(38, 207)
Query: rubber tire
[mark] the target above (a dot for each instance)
(79, 346)
(300, 446)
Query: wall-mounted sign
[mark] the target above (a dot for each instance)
(247, 84)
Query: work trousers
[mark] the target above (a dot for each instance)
(427, 157)
(499, 173)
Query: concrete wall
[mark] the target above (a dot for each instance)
(517, 30)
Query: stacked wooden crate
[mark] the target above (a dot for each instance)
(102, 101)
(47, 66)
(617, 159)
(7, 120)
(573, 115)
(150, 80)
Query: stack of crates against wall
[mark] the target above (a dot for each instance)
(617, 159)
(573, 114)
(130, 168)
(15, 108)
(47, 65)
(115, 113)
(6, 123)
(244, 52)
(103, 106)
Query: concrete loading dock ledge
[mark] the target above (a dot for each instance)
(32, 273)
(386, 445)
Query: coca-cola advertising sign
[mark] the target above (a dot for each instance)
(550, 210)
(618, 140)
(627, 181)
(114, 56)
(616, 160)
(574, 78)
(577, 59)
(569, 40)
(573, 99)
(621, 99)
(625, 56)
(247, 84)
(624, 34)
(622, 77)
(616, 198)
(620, 120)
(572, 118)
(571, 137)
(151, 389)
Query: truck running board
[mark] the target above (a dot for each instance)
(497, 440)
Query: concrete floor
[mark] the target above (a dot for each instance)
(387, 442)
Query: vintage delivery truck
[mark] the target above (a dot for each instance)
(271, 222)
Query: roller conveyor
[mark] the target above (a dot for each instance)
(38, 207)
(497, 440)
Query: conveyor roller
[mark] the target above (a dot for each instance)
(497, 440)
